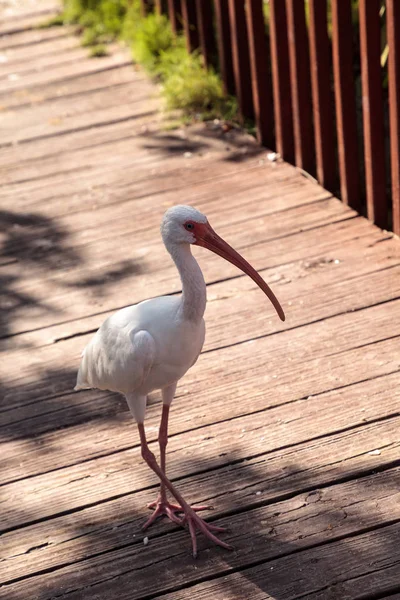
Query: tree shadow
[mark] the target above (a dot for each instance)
(49, 404)
(33, 241)
(295, 532)
(203, 138)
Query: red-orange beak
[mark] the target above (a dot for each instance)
(207, 238)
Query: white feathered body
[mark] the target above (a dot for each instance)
(151, 345)
(142, 348)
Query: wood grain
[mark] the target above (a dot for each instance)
(289, 430)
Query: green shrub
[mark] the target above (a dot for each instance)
(56, 21)
(101, 19)
(191, 88)
(187, 86)
(98, 51)
(152, 38)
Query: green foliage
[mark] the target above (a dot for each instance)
(92, 36)
(73, 10)
(131, 22)
(102, 20)
(153, 37)
(98, 51)
(56, 21)
(187, 86)
(191, 88)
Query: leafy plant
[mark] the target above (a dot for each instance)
(55, 21)
(152, 39)
(98, 51)
(191, 88)
(187, 86)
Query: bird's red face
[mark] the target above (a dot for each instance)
(206, 237)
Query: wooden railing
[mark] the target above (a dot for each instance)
(321, 80)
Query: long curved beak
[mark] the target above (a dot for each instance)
(207, 238)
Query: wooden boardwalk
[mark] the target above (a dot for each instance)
(290, 430)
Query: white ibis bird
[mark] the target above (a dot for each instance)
(151, 345)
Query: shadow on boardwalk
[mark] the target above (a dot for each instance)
(239, 146)
(33, 241)
(278, 528)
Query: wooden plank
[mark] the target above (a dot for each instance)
(372, 103)
(33, 37)
(282, 93)
(58, 118)
(223, 30)
(305, 519)
(241, 58)
(320, 58)
(72, 88)
(393, 35)
(236, 182)
(338, 457)
(260, 77)
(306, 272)
(31, 191)
(205, 24)
(301, 85)
(33, 398)
(208, 152)
(23, 70)
(346, 116)
(60, 74)
(70, 301)
(351, 567)
(271, 423)
(13, 26)
(175, 15)
(329, 416)
(34, 384)
(31, 187)
(285, 388)
(190, 28)
(15, 61)
(13, 11)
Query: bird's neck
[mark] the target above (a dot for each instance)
(194, 293)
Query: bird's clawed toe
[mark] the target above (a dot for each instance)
(188, 519)
(163, 507)
(196, 523)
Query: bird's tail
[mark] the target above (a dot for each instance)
(81, 380)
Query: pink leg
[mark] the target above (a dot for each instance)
(162, 506)
(191, 518)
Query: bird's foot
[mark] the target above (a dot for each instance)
(196, 523)
(163, 507)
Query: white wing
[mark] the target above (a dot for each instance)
(117, 359)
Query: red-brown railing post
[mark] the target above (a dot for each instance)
(393, 34)
(161, 6)
(143, 7)
(301, 85)
(224, 44)
(175, 15)
(240, 57)
(281, 80)
(189, 18)
(346, 116)
(320, 61)
(372, 104)
(260, 79)
(206, 30)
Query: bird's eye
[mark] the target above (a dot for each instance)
(189, 226)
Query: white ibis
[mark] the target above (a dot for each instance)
(151, 345)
